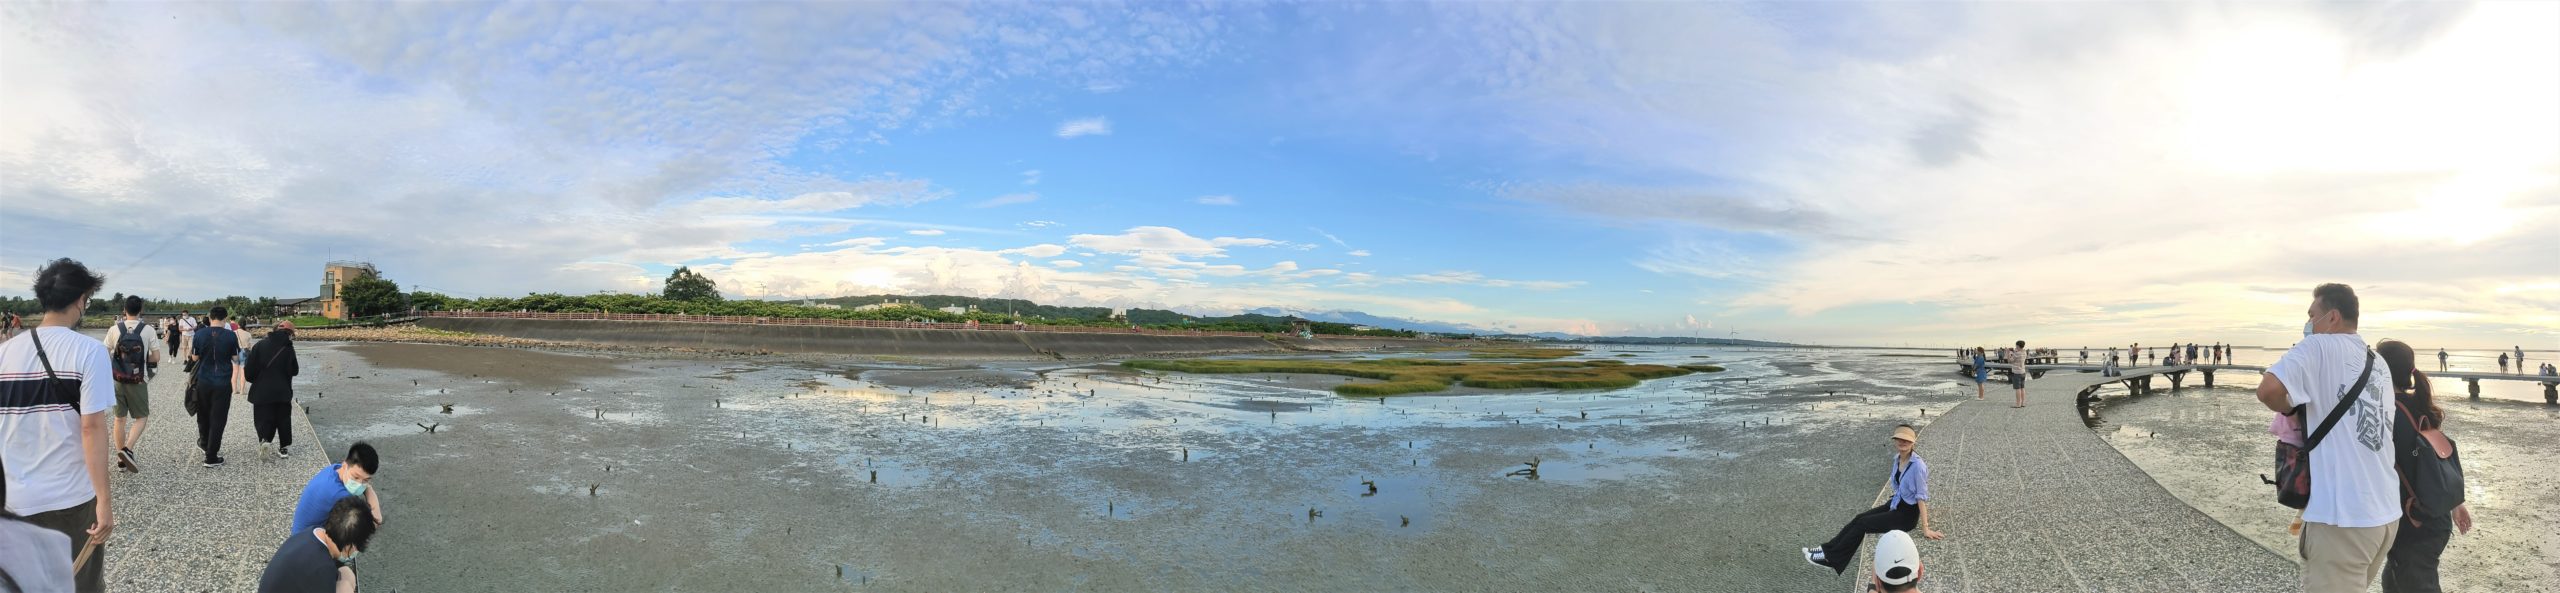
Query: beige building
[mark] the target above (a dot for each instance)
(334, 277)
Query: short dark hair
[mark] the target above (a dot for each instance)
(218, 313)
(2022, 343)
(132, 305)
(361, 454)
(64, 283)
(2337, 297)
(350, 522)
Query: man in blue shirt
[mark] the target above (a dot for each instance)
(1908, 507)
(350, 477)
(216, 354)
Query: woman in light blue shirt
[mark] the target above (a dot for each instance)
(1908, 506)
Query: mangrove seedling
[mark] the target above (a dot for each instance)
(431, 428)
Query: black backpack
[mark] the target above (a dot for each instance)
(132, 357)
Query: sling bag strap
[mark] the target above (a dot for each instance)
(2344, 402)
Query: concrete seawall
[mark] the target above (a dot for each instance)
(887, 342)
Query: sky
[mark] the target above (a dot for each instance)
(1845, 173)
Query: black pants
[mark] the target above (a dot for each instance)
(213, 414)
(1843, 548)
(274, 422)
(74, 522)
(2411, 565)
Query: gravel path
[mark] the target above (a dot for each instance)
(2032, 500)
(184, 527)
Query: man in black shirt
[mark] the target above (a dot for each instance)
(317, 560)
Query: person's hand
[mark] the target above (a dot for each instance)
(1932, 534)
(2462, 518)
(101, 530)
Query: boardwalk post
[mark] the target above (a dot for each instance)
(2475, 387)
(2177, 379)
(2208, 377)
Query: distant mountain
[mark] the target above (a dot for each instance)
(1359, 318)
(1674, 340)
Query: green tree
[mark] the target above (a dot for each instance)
(687, 285)
(372, 295)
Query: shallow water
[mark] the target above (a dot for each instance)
(759, 474)
(2208, 446)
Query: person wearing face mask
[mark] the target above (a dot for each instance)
(349, 478)
(2354, 512)
(318, 559)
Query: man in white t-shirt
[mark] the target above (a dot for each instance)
(2354, 513)
(53, 424)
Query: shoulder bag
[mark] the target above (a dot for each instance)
(2293, 463)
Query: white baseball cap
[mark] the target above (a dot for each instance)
(1897, 559)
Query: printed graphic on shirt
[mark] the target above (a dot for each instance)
(2373, 418)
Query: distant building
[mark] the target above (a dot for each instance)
(818, 305)
(334, 277)
(956, 310)
(883, 304)
(297, 307)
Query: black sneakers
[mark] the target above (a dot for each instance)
(214, 461)
(124, 459)
(281, 454)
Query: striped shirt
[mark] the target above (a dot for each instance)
(40, 422)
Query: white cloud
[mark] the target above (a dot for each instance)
(1357, 253)
(1066, 263)
(926, 232)
(1090, 126)
(1164, 241)
(1043, 250)
(1038, 224)
(859, 242)
(1008, 199)
(449, 140)
(1031, 177)
(1218, 200)
(1478, 279)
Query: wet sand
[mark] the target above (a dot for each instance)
(2208, 445)
(1003, 478)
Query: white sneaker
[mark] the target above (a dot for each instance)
(266, 449)
(1815, 557)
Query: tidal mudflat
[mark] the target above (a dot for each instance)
(632, 471)
(2208, 446)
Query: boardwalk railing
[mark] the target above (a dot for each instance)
(869, 323)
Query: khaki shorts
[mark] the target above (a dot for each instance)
(2343, 559)
(133, 400)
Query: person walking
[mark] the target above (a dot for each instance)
(2431, 478)
(2353, 515)
(2018, 374)
(131, 345)
(270, 373)
(2520, 359)
(214, 353)
(2443, 361)
(2133, 355)
(56, 386)
(1905, 508)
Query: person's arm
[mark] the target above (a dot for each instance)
(2271, 393)
(346, 580)
(2462, 517)
(93, 445)
(96, 397)
(373, 498)
(1925, 531)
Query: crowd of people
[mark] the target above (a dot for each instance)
(59, 390)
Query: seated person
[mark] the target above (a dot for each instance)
(351, 477)
(316, 560)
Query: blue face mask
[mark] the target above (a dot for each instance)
(2306, 328)
(351, 556)
(354, 487)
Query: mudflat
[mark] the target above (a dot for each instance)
(728, 473)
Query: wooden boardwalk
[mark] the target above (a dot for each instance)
(2031, 500)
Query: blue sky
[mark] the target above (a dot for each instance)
(1873, 173)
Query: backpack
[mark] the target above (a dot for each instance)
(2433, 484)
(2293, 462)
(132, 359)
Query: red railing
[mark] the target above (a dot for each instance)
(932, 325)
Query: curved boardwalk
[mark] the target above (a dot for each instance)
(2032, 500)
